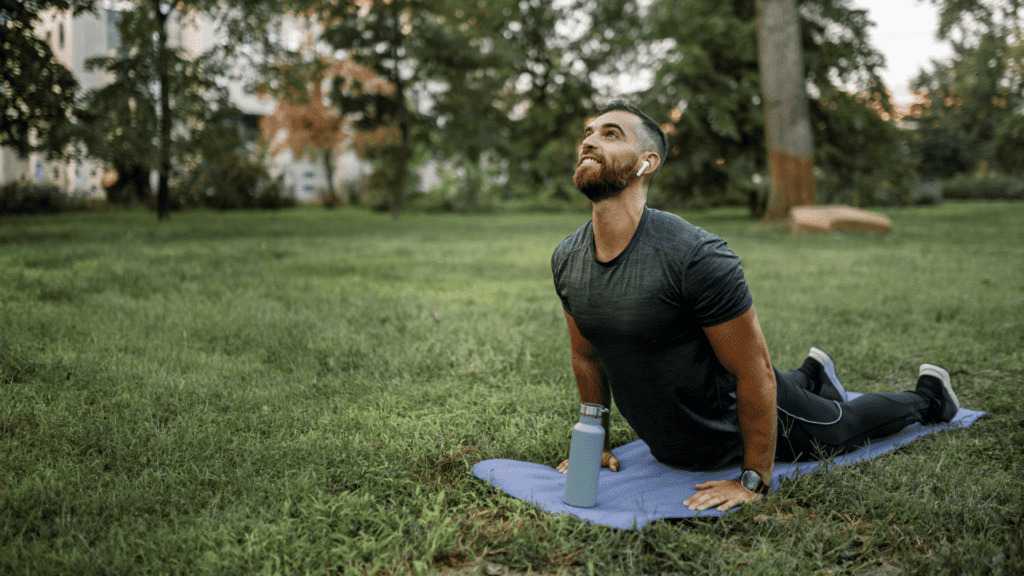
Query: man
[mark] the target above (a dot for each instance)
(660, 318)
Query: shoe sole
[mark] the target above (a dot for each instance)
(943, 376)
(822, 357)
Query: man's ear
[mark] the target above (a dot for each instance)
(654, 162)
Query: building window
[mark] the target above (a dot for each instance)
(113, 34)
(60, 35)
(308, 174)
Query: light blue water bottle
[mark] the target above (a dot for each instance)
(585, 451)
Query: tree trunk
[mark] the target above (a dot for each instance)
(398, 197)
(787, 121)
(332, 199)
(163, 192)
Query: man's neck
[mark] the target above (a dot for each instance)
(615, 222)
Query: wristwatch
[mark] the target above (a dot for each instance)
(752, 481)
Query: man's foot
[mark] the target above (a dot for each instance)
(933, 382)
(822, 371)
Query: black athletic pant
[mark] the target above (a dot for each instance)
(811, 427)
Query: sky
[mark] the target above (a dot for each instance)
(905, 33)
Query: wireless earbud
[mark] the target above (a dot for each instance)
(644, 167)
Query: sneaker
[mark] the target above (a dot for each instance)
(824, 376)
(935, 383)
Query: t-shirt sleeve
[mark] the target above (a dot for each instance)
(714, 284)
(557, 271)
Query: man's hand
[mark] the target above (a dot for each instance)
(607, 461)
(725, 494)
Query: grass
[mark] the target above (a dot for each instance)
(305, 391)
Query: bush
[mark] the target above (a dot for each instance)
(271, 198)
(1009, 148)
(238, 182)
(990, 187)
(926, 193)
(433, 201)
(23, 198)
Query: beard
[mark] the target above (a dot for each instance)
(604, 180)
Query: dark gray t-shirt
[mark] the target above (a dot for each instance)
(644, 313)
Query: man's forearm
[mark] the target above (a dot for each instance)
(758, 420)
(592, 382)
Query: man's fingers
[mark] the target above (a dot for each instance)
(725, 494)
(729, 505)
(609, 461)
(695, 503)
(703, 500)
(738, 501)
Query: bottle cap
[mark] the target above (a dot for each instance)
(592, 410)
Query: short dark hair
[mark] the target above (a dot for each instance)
(652, 136)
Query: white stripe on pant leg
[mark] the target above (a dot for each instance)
(838, 418)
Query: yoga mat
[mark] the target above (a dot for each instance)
(644, 490)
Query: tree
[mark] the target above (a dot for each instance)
(302, 121)
(168, 87)
(124, 124)
(308, 127)
(966, 101)
(405, 43)
(117, 121)
(36, 91)
(709, 84)
(555, 54)
(859, 153)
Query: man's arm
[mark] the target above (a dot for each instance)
(740, 347)
(593, 385)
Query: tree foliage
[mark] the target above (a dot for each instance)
(1009, 147)
(389, 39)
(495, 82)
(36, 91)
(498, 90)
(120, 122)
(557, 53)
(166, 107)
(973, 101)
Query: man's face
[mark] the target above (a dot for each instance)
(608, 156)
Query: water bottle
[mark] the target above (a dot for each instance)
(585, 451)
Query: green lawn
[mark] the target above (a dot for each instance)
(305, 391)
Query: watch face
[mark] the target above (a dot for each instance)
(751, 480)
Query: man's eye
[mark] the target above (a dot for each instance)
(613, 135)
